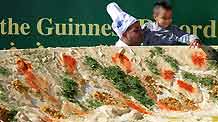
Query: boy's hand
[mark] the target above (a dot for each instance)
(195, 44)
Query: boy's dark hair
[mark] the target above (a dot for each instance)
(162, 4)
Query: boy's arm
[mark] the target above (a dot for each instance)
(187, 38)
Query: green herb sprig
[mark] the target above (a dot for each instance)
(129, 85)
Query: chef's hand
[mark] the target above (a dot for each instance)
(195, 44)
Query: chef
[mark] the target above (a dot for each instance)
(126, 27)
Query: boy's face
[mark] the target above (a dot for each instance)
(134, 35)
(163, 17)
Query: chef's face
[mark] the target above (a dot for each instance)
(134, 35)
(163, 17)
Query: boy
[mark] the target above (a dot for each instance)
(162, 32)
(126, 27)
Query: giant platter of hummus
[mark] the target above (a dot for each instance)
(109, 84)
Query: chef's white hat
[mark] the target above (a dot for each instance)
(121, 20)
